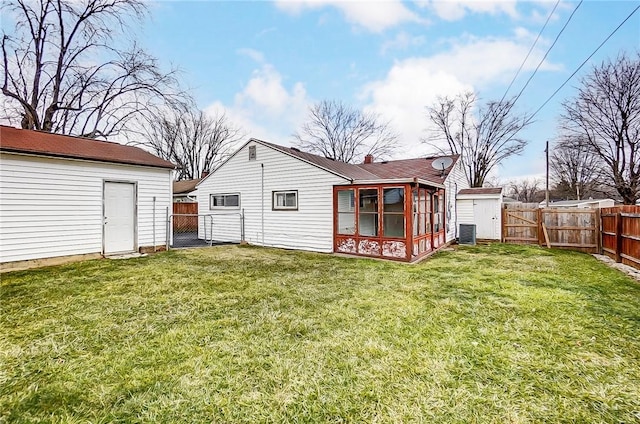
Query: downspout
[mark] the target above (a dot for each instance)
(262, 192)
(154, 223)
(455, 209)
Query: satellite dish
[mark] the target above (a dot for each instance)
(442, 163)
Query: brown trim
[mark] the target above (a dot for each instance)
(352, 244)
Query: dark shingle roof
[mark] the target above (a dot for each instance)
(64, 146)
(481, 190)
(397, 169)
(409, 168)
(348, 170)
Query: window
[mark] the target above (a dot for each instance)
(393, 212)
(424, 211)
(219, 201)
(368, 212)
(285, 200)
(427, 209)
(416, 210)
(346, 212)
(438, 208)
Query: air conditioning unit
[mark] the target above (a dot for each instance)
(467, 234)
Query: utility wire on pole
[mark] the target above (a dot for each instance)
(530, 50)
(583, 63)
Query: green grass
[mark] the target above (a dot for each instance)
(501, 333)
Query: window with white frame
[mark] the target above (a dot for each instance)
(285, 200)
(224, 201)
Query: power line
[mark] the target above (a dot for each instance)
(530, 50)
(583, 63)
(547, 53)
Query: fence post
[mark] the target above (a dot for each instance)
(168, 229)
(503, 228)
(598, 228)
(540, 234)
(618, 237)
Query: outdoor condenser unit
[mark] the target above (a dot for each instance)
(467, 234)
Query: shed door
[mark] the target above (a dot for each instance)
(486, 214)
(119, 217)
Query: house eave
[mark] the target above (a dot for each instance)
(398, 181)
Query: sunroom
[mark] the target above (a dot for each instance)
(403, 221)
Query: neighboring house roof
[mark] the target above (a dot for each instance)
(41, 143)
(398, 169)
(185, 186)
(481, 190)
(570, 203)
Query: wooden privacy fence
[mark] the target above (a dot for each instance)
(575, 229)
(185, 223)
(621, 234)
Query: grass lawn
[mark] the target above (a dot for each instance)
(501, 333)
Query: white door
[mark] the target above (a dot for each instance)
(119, 217)
(486, 215)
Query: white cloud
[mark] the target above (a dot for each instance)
(479, 61)
(252, 54)
(402, 41)
(265, 108)
(414, 83)
(452, 10)
(402, 96)
(374, 16)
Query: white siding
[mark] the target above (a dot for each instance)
(53, 207)
(308, 228)
(465, 211)
(454, 182)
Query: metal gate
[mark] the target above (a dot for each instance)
(195, 230)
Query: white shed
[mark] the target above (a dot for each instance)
(481, 206)
(401, 210)
(68, 197)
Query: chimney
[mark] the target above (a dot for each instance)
(204, 174)
(368, 159)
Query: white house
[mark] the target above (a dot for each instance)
(481, 206)
(287, 198)
(63, 196)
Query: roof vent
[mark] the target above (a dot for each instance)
(295, 149)
(384, 161)
(467, 234)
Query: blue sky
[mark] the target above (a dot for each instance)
(265, 62)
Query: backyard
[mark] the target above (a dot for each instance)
(499, 333)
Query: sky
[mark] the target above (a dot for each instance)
(265, 62)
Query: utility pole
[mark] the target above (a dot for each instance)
(546, 195)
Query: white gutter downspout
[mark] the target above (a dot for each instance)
(262, 191)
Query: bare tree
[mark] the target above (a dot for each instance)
(575, 172)
(340, 132)
(64, 72)
(526, 190)
(483, 135)
(192, 140)
(605, 116)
